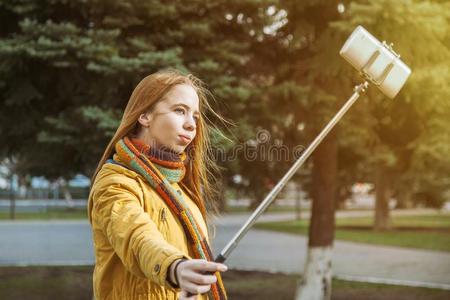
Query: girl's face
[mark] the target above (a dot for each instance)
(172, 123)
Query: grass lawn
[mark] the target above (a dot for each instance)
(38, 283)
(47, 215)
(431, 232)
(82, 214)
(271, 209)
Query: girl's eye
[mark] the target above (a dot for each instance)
(179, 110)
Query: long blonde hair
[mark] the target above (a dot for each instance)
(199, 180)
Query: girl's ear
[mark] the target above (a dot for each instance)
(145, 119)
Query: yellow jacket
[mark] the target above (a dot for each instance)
(136, 236)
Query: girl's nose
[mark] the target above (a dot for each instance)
(190, 123)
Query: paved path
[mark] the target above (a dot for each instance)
(69, 242)
(279, 252)
(46, 243)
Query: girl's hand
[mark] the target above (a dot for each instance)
(192, 276)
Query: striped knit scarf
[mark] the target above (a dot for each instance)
(169, 163)
(160, 171)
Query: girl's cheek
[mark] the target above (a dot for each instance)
(175, 119)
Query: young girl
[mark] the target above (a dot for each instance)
(146, 206)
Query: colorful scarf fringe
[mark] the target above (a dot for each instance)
(159, 172)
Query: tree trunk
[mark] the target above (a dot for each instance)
(316, 280)
(404, 198)
(382, 196)
(222, 198)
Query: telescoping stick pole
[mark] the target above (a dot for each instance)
(276, 190)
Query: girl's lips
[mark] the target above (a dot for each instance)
(185, 138)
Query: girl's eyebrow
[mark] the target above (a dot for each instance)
(185, 106)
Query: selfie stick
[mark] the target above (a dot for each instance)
(378, 64)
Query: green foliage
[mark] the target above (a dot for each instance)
(67, 69)
(412, 131)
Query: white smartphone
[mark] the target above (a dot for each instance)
(377, 61)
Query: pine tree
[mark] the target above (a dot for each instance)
(68, 68)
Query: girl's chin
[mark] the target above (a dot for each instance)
(177, 148)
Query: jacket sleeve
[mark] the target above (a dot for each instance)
(130, 230)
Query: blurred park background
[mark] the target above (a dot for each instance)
(67, 69)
